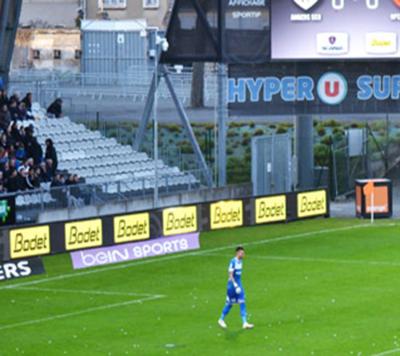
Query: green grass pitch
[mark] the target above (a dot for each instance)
(315, 287)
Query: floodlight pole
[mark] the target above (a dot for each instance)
(155, 118)
(222, 119)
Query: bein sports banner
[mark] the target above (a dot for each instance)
(134, 251)
(21, 268)
(314, 88)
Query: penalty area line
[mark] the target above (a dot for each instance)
(79, 312)
(93, 292)
(388, 352)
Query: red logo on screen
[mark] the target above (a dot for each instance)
(397, 2)
(332, 89)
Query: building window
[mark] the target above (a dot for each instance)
(57, 54)
(78, 54)
(36, 54)
(114, 4)
(151, 4)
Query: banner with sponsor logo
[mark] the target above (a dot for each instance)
(31, 241)
(110, 230)
(226, 214)
(134, 251)
(270, 209)
(179, 220)
(131, 227)
(312, 204)
(83, 234)
(21, 268)
(314, 88)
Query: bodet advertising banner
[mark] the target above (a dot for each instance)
(134, 251)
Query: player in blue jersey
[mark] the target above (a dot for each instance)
(235, 292)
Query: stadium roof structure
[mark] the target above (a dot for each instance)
(10, 11)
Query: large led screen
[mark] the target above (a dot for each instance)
(328, 29)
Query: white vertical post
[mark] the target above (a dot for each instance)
(155, 118)
(372, 206)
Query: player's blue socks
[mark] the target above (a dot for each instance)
(243, 312)
(226, 310)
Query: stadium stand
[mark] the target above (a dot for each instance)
(86, 162)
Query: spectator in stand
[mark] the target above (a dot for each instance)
(32, 179)
(13, 134)
(22, 112)
(45, 174)
(76, 179)
(20, 153)
(28, 101)
(3, 98)
(55, 108)
(4, 140)
(5, 117)
(22, 177)
(15, 97)
(51, 156)
(58, 180)
(33, 148)
(3, 157)
(13, 109)
(11, 182)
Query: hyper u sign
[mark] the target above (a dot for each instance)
(333, 91)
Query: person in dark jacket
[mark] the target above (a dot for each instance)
(55, 108)
(32, 147)
(51, 156)
(11, 182)
(58, 180)
(32, 180)
(27, 101)
(13, 109)
(3, 97)
(21, 178)
(5, 117)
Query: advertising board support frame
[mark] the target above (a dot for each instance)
(304, 131)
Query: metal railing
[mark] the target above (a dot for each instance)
(30, 203)
(132, 85)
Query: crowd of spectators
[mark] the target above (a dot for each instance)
(23, 164)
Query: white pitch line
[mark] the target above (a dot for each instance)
(388, 352)
(317, 260)
(94, 292)
(188, 254)
(80, 312)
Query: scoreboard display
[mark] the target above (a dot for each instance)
(335, 29)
